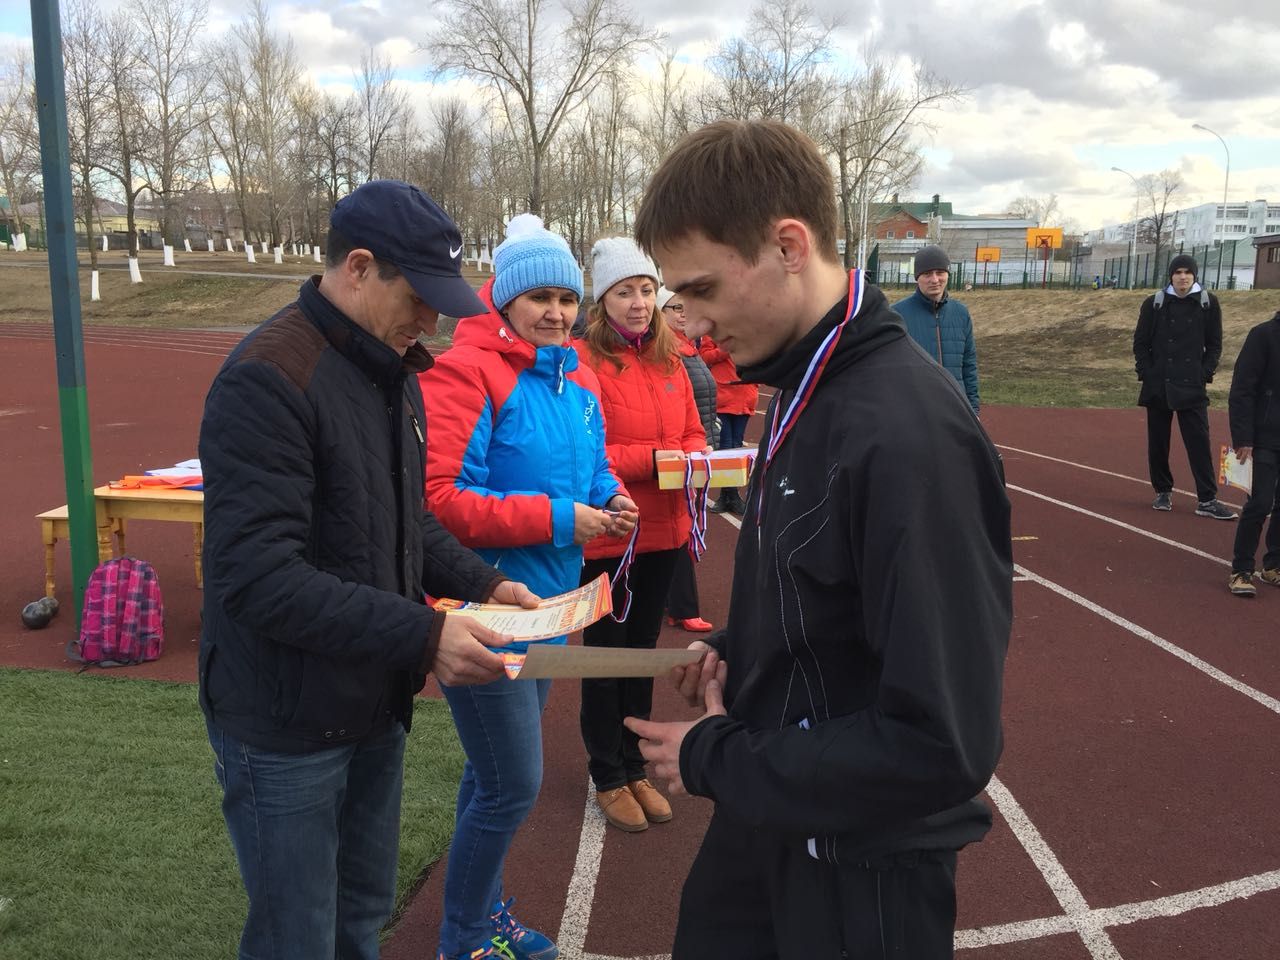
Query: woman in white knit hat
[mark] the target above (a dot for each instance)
(650, 411)
(517, 470)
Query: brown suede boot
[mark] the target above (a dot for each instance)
(620, 808)
(655, 806)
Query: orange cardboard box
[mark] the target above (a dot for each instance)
(729, 468)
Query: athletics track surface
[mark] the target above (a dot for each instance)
(1138, 799)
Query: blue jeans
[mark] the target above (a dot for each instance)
(733, 427)
(500, 726)
(316, 836)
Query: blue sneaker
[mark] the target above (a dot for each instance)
(495, 949)
(519, 941)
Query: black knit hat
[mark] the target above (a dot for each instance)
(1184, 261)
(932, 257)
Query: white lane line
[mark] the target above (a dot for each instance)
(1121, 524)
(1271, 703)
(1021, 579)
(1170, 906)
(582, 885)
(1085, 466)
(1062, 886)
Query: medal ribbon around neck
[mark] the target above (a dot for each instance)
(782, 425)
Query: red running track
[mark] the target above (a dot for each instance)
(1138, 799)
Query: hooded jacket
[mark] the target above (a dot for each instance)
(646, 408)
(871, 609)
(1176, 349)
(704, 387)
(944, 330)
(1254, 401)
(732, 395)
(317, 547)
(515, 439)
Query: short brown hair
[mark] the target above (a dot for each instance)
(731, 180)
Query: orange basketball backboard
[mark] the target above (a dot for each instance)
(987, 255)
(1050, 237)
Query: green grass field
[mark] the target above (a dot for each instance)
(112, 843)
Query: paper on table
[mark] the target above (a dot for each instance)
(553, 617)
(1233, 473)
(544, 660)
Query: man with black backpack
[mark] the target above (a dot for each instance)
(1176, 348)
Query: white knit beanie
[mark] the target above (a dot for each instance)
(664, 297)
(614, 259)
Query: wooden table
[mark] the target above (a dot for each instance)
(148, 503)
(114, 506)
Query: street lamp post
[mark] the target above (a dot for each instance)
(1226, 180)
(1133, 244)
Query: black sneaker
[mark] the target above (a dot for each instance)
(1163, 501)
(1215, 509)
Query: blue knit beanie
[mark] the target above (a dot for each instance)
(531, 257)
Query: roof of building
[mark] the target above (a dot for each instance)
(921, 211)
(1265, 240)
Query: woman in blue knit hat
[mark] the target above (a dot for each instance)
(517, 470)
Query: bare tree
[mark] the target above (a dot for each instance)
(84, 66)
(540, 67)
(380, 108)
(271, 67)
(873, 137)
(18, 138)
(1155, 192)
(229, 123)
(120, 48)
(777, 70)
(1042, 211)
(170, 111)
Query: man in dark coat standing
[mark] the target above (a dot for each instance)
(1176, 348)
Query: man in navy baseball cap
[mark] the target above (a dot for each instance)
(400, 225)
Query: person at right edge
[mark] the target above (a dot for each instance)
(1255, 433)
(1176, 348)
(853, 700)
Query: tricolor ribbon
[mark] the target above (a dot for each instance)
(623, 574)
(695, 501)
(781, 426)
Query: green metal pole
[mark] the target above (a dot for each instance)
(77, 459)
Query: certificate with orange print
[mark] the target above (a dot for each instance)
(553, 617)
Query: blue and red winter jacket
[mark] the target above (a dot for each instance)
(515, 438)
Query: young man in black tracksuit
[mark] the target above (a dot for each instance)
(1254, 407)
(853, 700)
(1176, 348)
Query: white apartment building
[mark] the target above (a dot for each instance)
(1205, 225)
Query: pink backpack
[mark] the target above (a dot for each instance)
(123, 619)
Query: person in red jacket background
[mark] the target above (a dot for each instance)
(735, 403)
(649, 410)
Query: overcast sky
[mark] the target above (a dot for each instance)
(1059, 92)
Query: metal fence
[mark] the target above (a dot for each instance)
(1077, 269)
(1217, 267)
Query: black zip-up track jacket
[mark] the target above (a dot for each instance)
(871, 610)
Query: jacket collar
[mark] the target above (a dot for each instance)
(491, 331)
(929, 304)
(373, 357)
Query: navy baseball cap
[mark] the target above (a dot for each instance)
(398, 223)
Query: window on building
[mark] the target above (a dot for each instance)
(911, 234)
(1273, 254)
(888, 234)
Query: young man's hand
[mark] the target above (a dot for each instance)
(660, 742)
(1243, 454)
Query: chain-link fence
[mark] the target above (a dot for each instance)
(1218, 267)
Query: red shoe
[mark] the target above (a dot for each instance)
(693, 624)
